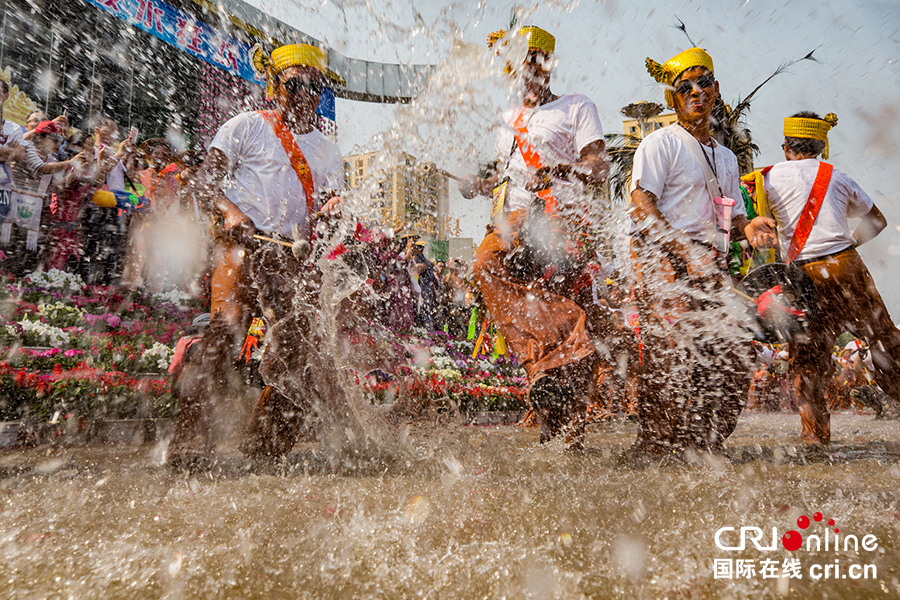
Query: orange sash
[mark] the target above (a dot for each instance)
(532, 160)
(298, 161)
(810, 211)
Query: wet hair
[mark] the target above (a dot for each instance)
(35, 112)
(147, 148)
(807, 146)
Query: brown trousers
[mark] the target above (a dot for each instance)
(695, 369)
(848, 301)
(544, 329)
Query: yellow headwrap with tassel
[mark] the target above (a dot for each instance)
(538, 39)
(669, 71)
(292, 55)
(817, 129)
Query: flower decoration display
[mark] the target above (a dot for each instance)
(103, 353)
(92, 351)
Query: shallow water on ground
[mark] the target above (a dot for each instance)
(485, 513)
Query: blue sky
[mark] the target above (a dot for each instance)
(601, 47)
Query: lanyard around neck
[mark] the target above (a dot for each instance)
(712, 145)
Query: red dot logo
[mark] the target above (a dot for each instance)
(792, 540)
(817, 517)
(831, 522)
(803, 522)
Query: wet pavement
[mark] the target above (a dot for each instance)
(477, 513)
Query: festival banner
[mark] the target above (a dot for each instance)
(197, 38)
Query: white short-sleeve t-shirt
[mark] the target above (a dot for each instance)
(788, 185)
(665, 167)
(10, 135)
(115, 179)
(262, 182)
(559, 131)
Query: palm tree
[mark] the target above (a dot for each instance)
(620, 153)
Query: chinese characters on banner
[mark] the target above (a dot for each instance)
(198, 39)
(183, 31)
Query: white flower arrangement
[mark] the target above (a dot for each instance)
(442, 361)
(448, 374)
(175, 297)
(55, 336)
(56, 279)
(61, 312)
(486, 365)
(160, 353)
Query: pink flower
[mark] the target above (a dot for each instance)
(362, 234)
(338, 250)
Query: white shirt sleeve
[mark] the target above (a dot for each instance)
(16, 135)
(858, 202)
(651, 165)
(230, 138)
(33, 161)
(587, 123)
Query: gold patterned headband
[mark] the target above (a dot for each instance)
(292, 55)
(669, 71)
(816, 129)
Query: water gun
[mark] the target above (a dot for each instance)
(121, 200)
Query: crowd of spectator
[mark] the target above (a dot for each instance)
(50, 172)
(416, 292)
(49, 175)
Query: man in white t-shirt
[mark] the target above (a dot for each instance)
(848, 299)
(266, 172)
(10, 150)
(548, 149)
(697, 361)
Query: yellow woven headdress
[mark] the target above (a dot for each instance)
(816, 129)
(669, 71)
(292, 55)
(538, 39)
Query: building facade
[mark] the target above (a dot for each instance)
(633, 126)
(404, 192)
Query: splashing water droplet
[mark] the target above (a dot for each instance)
(417, 510)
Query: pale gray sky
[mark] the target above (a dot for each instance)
(601, 47)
